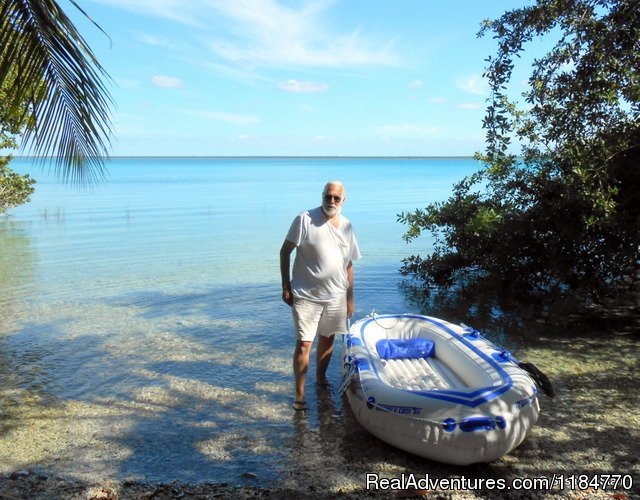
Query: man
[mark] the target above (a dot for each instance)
(321, 291)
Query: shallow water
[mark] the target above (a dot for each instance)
(142, 335)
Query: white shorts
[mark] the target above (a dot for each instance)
(324, 318)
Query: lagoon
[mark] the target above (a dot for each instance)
(143, 338)
(143, 316)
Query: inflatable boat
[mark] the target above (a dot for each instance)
(437, 389)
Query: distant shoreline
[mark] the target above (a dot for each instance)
(267, 157)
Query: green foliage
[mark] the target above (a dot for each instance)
(51, 95)
(70, 114)
(14, 188)
(564, 215)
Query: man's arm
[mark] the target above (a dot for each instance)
(350, 302)
(285, 268)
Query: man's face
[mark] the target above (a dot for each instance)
(332, 200)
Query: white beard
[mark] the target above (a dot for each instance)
(331, 210)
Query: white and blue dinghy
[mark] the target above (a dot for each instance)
(438, 390)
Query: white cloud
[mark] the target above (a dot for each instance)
(438, 100)
(406, 129)
(473, 84)
(169, 9)
(299, 87)
(154, 40)
(268, 32)
(469, 105)
(416, 84)
(237, 119)
(167, 82)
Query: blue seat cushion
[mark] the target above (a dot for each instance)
(405, 348)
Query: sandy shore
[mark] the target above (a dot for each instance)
(590, 429)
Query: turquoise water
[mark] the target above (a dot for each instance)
(146, 311)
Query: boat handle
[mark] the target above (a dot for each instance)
(475, 424)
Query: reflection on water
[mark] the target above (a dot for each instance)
(17, 261)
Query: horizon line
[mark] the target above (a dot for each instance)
(266, 156)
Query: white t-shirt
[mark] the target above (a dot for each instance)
(322, 255)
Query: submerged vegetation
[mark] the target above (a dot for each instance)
(562, 217)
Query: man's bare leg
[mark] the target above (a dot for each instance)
(300, 367)
(323, 357)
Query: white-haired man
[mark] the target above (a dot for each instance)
(321, 290)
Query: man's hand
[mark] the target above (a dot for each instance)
(350, 304)
(285, 256)
(350, 307)
(287, 297)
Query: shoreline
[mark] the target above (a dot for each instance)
(39, 486)
(589, 429)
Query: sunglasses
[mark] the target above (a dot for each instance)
(328, 197)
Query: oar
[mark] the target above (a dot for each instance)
(541, 380)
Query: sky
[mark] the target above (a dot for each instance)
(294, 77)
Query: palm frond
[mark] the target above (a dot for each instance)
(42, 51)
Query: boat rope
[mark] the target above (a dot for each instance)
(347, 378)
(386, 329)
(352, 370)
(374, 317)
